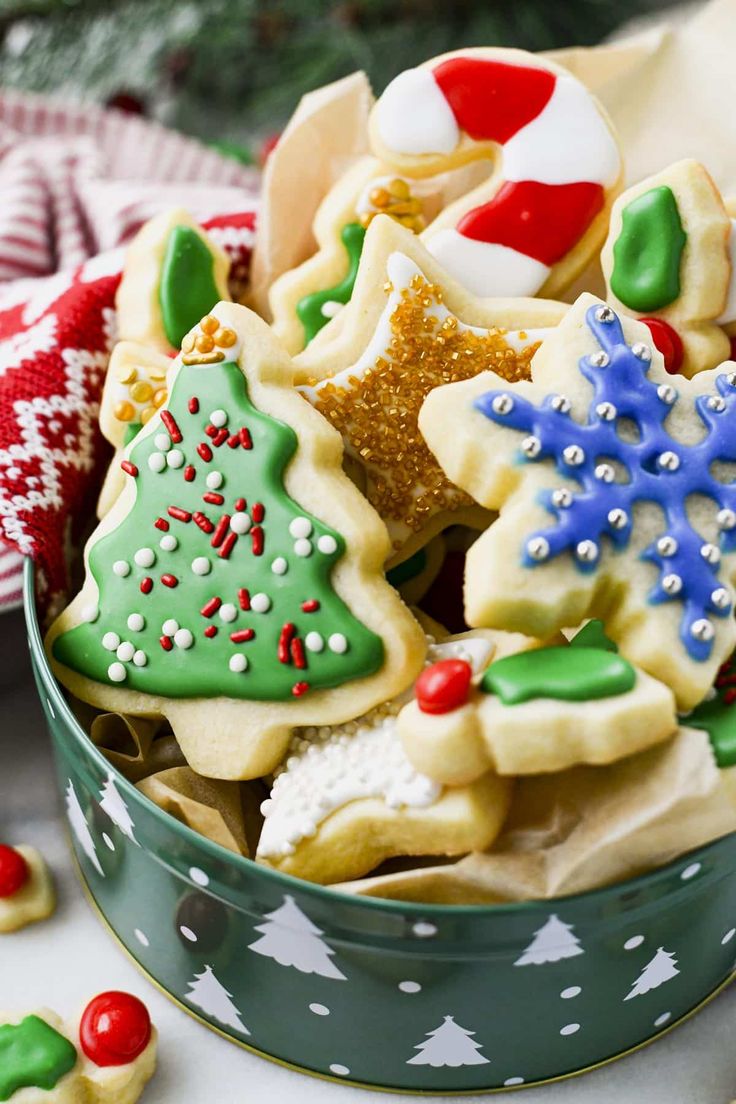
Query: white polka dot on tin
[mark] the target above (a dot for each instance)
(214, 480)
(633, 943)
(157, 462)
(279, 566)
(89, 612)
(240, 522)
(339, 1070)
(142, 938)
(260, 602)
(121, 568)
(513, 1081)
(571, 992)
(198, 876)
(162, 441)
(319, 1009)
(314, 641)
(126, 651)
(690, 871)
(728, 936)
(423, 929)
(140, 658)
(169, 543)
(136, 622)
(108, 842)
(188, 933)
(116, 672)
(327, 544)
(300, 527)
(111, 641)
(410, 987)
(338, 643)
(175, 458)
(570, 1029)
(663, 1019)
(145, 557)
(303, 547)
(218, 418)
(170, 626)
(183, 638)
(227, 612)
(201, 566)
(238, 663)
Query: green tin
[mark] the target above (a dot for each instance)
(423, 998)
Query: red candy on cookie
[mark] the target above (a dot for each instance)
(444, 686)
(115, 1029)
(668, 341)
(14, 872)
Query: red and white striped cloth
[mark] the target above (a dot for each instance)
(76, 182)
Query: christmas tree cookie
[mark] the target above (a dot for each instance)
(26, 889)
(236, 587)
(408, 329)
(612, 482)
(538, 711)
(347, 797)
(666, 261)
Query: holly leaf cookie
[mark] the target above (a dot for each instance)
(612, 482)
(666, 261)
(538, 711)
(408, 329)
(347, 797)
(236, 587)
(26, 889)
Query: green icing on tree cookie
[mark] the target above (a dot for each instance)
(717, 716)
(593, 635)
(33, 1055)
(217, 582)
(132, 430)
(648, 251)
(567, 674)
(187, 290)
(309, 309)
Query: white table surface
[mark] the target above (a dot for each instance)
(67, 959)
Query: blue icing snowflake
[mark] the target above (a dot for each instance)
(658, 468)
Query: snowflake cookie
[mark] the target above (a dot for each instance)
(347, 798)
(236, 586)
(105, 1057)
(537, 711)
(612, 481)
(26, 890)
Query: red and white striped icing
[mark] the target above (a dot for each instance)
(558, 157)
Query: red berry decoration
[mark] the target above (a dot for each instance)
(444, 686)
(14, 872)
(668, 341)
(115, 1028)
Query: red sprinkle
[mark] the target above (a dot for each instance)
(146, 585)
(210, 430)
(166, 643)
(211, 607)
(242, 635)
(227, 546)
(129, 468)
(299, 688)
(204, 451)
(210, 631)
(203, 522)
(297, 653)
(244, 598)
(169, 580)
(215, 499)
(287, 633)
(258, 512)
(162, 524)
(240, 503)
(220, 437)
(170, 422)
(189, 473)
(220, 531)
(178, 514)
(245, 438)
(310, 606)
(256, 536)
(233, 441)
(193, 405)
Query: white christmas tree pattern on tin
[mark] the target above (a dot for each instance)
(662, 968)
(448, 1045)
(291, 939)
(207, 993)
(552, 942)
(112, 803)
(79, 826)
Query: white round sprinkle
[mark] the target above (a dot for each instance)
(300, 527)
(340, 1071)
(410, 987)
(162, 441)
(502, 404)
(303, 547)
(261, 603)
(690, 871)
(126, 651)
(218, 418)
(240, 523)
(183, 638)
(201, 566)
(604, 314)
(121, 568)
(702, 630)
(570, 1029)
(111, 641)
(169, 543)
(642, 351)
(728, 936)
(600, 359)
(573, 455)
(136, 622)
(157, 462)
(227, 612)
(319, 1009)
(169, 627)
(188, 933)
(667, 546)
(214, 480)
(89, 613)
(663, 1019)
(327, 544)
(337, 642)
(314, 642)
(571, 992)
(538, 548)
(279, 566)
(199, 876)
(175, 458)
(238, 663)
(671, 583)
(116, 672)
(423, 929)
(531, 447)
(140, 658)
(586, 551)
(145, 557)
(142, 938)
(634, 942)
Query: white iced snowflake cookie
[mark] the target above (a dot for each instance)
(26, 889)
(347, 798)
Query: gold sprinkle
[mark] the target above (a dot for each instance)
(399, 188)
(209, 324)
(203, 358)
(204, 343)
(124, 411)
(127, 374)
(147, 414)
(160, 397)
(188, 343)
(141, 391)
(225, 338)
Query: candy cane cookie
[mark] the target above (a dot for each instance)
(540, 218)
